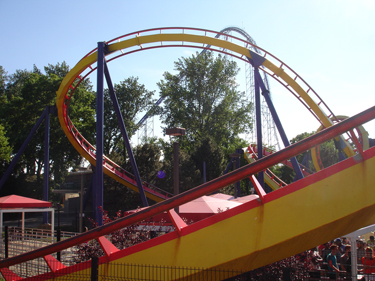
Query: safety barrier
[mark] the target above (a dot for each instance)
(17, 241)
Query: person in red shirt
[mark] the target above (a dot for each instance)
(368, 262)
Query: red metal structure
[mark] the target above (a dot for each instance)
(253, 223)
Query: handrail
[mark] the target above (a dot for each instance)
(209, 187)
(113, 167)
(193, 38)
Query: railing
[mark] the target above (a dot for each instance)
(113, 167)
(117, 271)
(20, 241)
(16, 242)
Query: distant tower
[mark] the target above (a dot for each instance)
(146, 130)
(269, 133)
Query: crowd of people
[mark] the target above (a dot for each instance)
(334, 258)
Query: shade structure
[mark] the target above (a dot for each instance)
(245, 199)
(222, 196)
(207, 205)
(196, 210)
(16, 201)
(20, 204)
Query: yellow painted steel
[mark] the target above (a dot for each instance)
(304, 95)
(278, 229)
(342, 201)
(183, 37)
(364, 133)
(268, 180)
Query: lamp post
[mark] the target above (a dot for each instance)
(58, 230)
(236, 165)
(176, 132)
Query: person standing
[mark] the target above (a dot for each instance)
(360, 251)
(314, 260)
(371, 242)
(332, 262)
(368, 262)
(346, 262)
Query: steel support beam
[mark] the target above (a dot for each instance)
(98, 187)
(22, 149)
(46, 161)
(266, 95)
(199, 191)
(125, 136)
(238, 184)
(258, 115)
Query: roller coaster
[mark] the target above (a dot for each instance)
(290, 219)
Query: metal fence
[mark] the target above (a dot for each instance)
(16, 242)
(90, 270)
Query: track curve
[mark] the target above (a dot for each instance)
(177, 37)
(196, 245)
(363, 141)
(251, 225)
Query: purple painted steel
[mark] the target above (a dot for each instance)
(258, 115)
(278, 124)
(125, 136)
(98, 186)
(204, 172)
(204, 32)
(238, 184)
(46, 162)
(22, 149)
(201, 190)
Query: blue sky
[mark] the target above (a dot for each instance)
(329, 43)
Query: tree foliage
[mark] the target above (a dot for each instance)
(203, 98)
(5, 148)
(148, 159)
(26, 95)
(328, 156)
(212, 155)
(3, 81)
(133, 98)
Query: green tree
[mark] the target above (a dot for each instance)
(203, 98)
(237, 143)
(133, 98)
(5, 148)
(190, 175)
(148, 157)
(286, 173)
(328, 156)
(207, 151)
(26, 95)
(3, 81)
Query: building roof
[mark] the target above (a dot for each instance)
(16, 201)
(196, 210)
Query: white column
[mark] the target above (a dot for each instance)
(52, 225)
(23, 224)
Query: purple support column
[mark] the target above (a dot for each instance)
(238, 184)
(275, 117)
(125, 136)
(46, 162)
(204, 172)
(232, 159)
(98, 190)
(258, 115)
(176, 171)
(22, 149)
